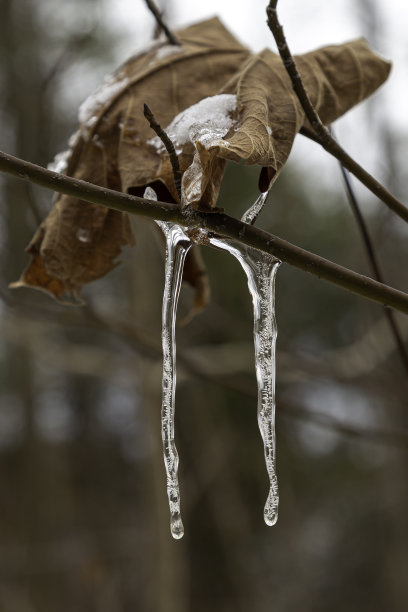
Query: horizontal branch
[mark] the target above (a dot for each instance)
(218, 223)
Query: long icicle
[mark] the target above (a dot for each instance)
(260, 269)
(177, 247)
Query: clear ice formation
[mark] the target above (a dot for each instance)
(253, 211)
(260, 269)
(177, 247)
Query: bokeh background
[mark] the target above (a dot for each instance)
(84, 521)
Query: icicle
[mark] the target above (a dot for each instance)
(260, 269)
(177, 247)
(253, 211)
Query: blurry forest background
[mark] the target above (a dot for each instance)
(84, 521)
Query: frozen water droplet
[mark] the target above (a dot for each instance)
(176, 527)
(260, 269)
(83, 235)
(271, 505)
(177, 247)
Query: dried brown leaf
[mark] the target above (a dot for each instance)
(270, 115)
(79, 242)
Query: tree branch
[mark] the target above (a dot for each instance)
(159, 20)
(374, 263)
(323, 136)
(156, 127)
(218, 223)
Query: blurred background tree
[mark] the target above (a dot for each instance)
(83, 511)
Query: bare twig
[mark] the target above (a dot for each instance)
(169, 147)
(218, 223)
(375, 266)
(370, 253)
(323, 136)
(159, 20)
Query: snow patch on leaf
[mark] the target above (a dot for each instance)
(167, 51)
(91, 107)
(205, 122)
(61, 160)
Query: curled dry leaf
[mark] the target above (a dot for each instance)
(79, 242)
(217, 102)
(269, 114)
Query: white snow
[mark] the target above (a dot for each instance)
(146, 48)
(167, 51)
(60, 161)
(91, 107)
(205, 122)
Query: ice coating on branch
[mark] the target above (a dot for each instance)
(177, 247)
(90, 108)
(260, 269)
(206, 122)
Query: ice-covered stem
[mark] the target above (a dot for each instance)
(260, 269)
(169, 147)
(253, 211)
(177, 247)
(323, 135)
(159, 20)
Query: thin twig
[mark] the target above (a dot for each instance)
(159, 19)
(169, 148)
(322, 133)
(374, 263)
(219, 223)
